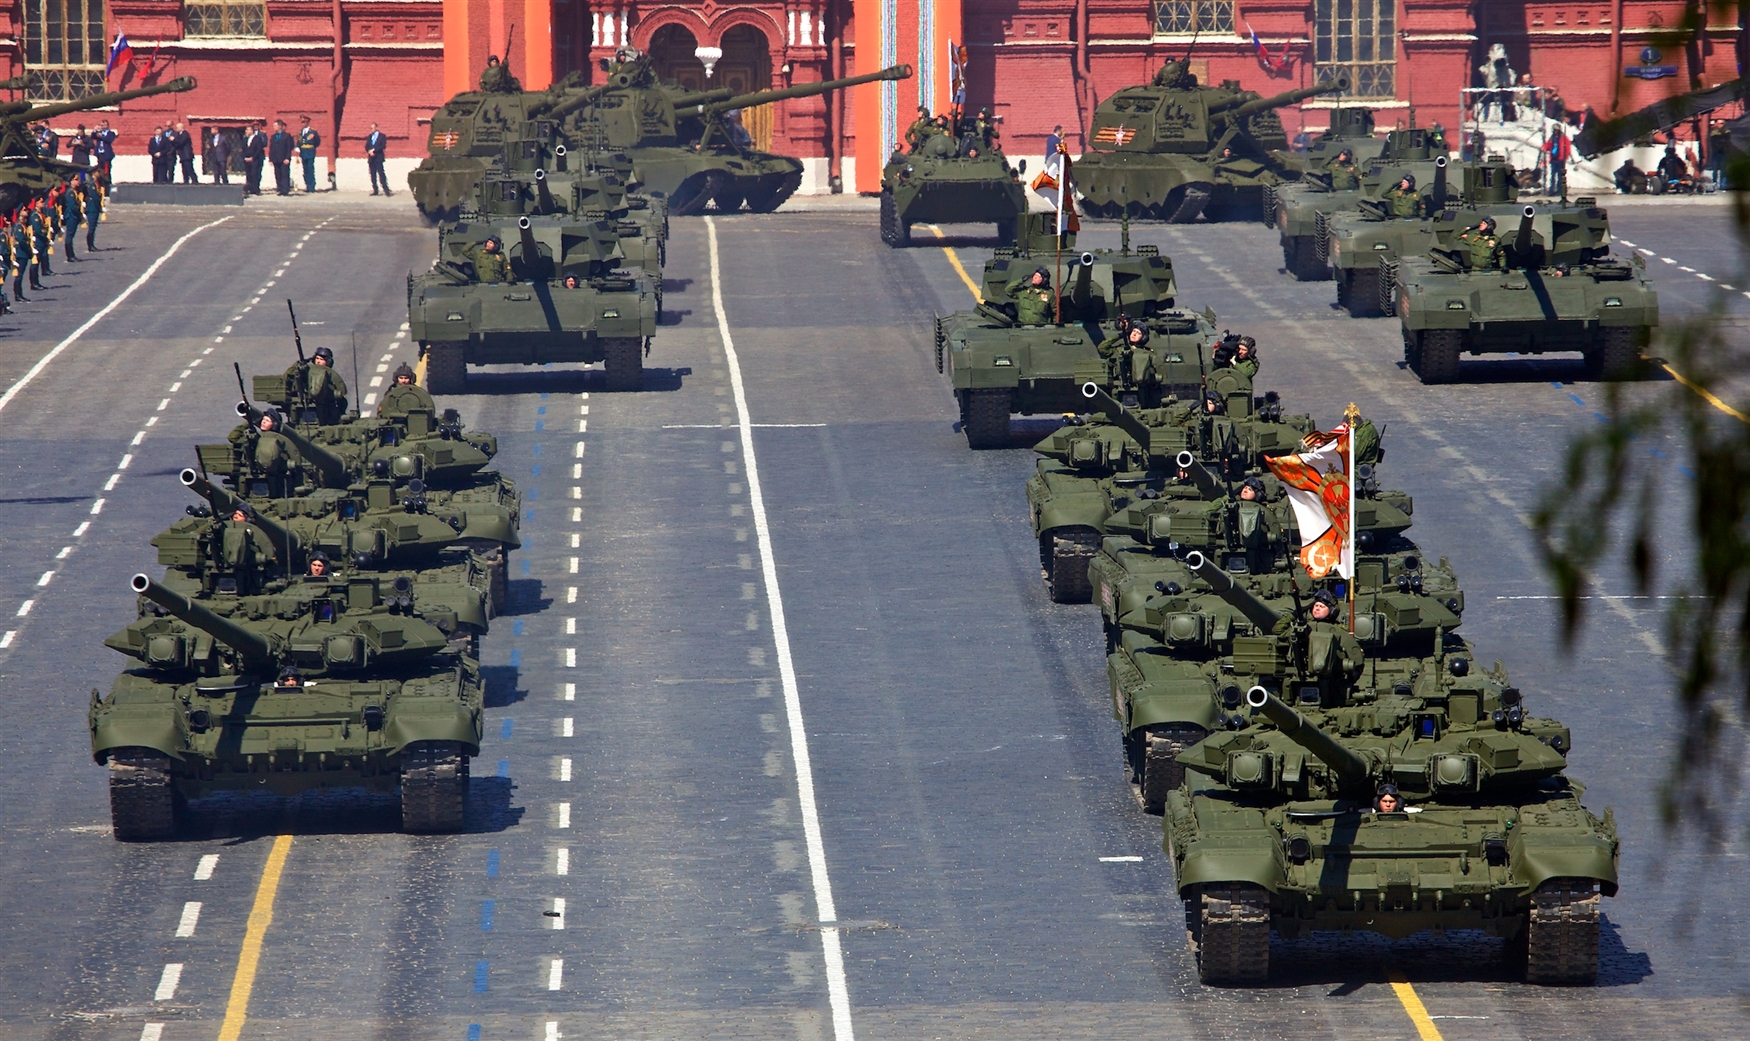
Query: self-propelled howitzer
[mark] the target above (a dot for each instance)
(1175, 151)
(304, 687)
(25, 173)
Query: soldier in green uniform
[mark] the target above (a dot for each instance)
(321, 386)
(496, 78)
(37, 227)
(1402, 201)
(405, 396)
(985, 129)
(18, 249)
(1173, 74)
(1484, 246)
(1134, 337)
(1342, 172)
(922, 129)
(1246, 357)
(243, 547)
(1033, 299)
(72, 213)
(490, 263)
(1367, 447)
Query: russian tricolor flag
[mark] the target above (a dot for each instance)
(120, 53)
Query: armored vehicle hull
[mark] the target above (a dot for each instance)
(937, 185)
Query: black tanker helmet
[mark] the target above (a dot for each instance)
(1409, 180)
(272, 415)
(1041, 272)
(326, 355)
(1324, 596)
(406, 370)
(1256, 485)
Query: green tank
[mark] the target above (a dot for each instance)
(951, 181)
(592, 195)
(25, 173)
(1294, 209)
(1356, 243)
(382, 701)
(1351, 129)
(684, 144)
(1174, 150)
(1554, 288)
(1099, 469)
(1279, 828)
(533, 317)
(999, 367)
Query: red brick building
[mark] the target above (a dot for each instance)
(350, 63)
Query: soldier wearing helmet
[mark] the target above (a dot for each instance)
(1341, 170)
(405, 395)
(490, 263)
(317, 385)
(1403, 201)
(1133, 337)
(1034, 302)
(1483, 245)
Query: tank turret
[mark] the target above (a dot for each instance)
(1350, 767)
(255, 649)
(1242, 600)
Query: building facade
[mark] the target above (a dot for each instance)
(1038, 63)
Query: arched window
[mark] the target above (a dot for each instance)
(1357, 39)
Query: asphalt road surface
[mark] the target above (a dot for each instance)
(785, 738)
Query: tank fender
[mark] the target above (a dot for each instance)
(491, 523)
(1248, 849)
(412, 719)
(1071, 511)
(156, 726)
(1537, 856)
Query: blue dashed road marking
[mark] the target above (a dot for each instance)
(486, 911)
(491, 863)
(504, 768)
(480, 968)
(504, 728)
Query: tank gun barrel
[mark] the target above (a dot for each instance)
(253, 648)
(543, 196)
(224, 502)
(1437, 194)
(26, 112)
(561, 109)
(1207, 485)
(1256, 611)
(1235, 109)
(1084, 280)
(335, 471)
(1347, 765)
(1522, 238)
(527, 231)
(801, 90)
(1120, 416)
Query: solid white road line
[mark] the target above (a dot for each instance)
(838, 990)
(73, 337)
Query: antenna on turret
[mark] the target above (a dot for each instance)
(355, 368)
(297, 337)
(1186, 60)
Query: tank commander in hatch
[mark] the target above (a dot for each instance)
(496, 78)
(289, 678)
(922, 129)
(490, 263)
(1402, 200)
(318, 566)
(1033, 299)
(1324, 606)
(1388, 800)
(1482, 243)
(405, 395)
(1134, 337)
(1245, 357)
(1252, 490)
(1341, 169)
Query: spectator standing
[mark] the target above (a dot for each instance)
(254, 156)
(182, 147)
(80, 147)
(155, 148)
(279, 152)
(308, 140)
(1053, 141)
(103, 149)
(48, 142)
(1560, 150)
(376, 144)
(219, 159)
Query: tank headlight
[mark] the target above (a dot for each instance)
(1456, 305)
(1381, 247)
(1003, 359)
(611, 312)
(1613, 301)
(453, 316)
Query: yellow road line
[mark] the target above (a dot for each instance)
(419, 371)
(959, 269)
(260, 917)
(1418, 1012)
(1706, 395)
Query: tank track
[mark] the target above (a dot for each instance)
(1191, 205)
(892, 232)
(766, 202)
(987, 418)
(434, 786)
(1358, 292)
(446, 369)
(691, 195)
(1435, 358)
(1614, 356)
(142, 795)
(624, 362)
(1561, 933)
(1161, 772)
(1064, 556)
(1232, 935)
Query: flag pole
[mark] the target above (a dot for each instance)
(1062, 190)
(1350, 416)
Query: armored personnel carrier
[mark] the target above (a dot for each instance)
(1555, 289)
(1357, 242)
(951, 180)
(1097, 468)
(570, 298)
(1294, 209)
(999, 367)
(304, 686)
(1285, 823)
(1174, 150)
(25, 173)
(682, 143)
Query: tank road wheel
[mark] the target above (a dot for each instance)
(1413, 351)
(1067, 553)
(1358, 292)
(691, 196)
(1233, 935)
(1561, 933)
(1161, 773)
(1614, 355)
(434, 786)
(987, 418)
(625, 363)
(1440, 349)
(446, 369)
(891, 233)
(143, 802)
(1186, 204)
(764, 197)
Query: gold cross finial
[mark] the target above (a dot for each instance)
(1351, 414)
